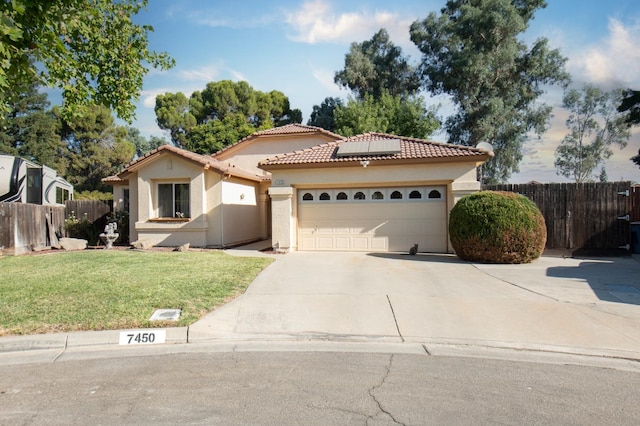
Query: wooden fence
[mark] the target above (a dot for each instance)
(94, 210)
(586, 217)
(24, 227)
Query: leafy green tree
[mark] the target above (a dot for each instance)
(472, 51)
(97, 147)
(398, 115)
(142, 144)
(376, 65)
(595, 125)
(631, 105)
(209, 119)
(322, 116)
(90, 49)
(173, 113)
(30, 130)
(215, 134)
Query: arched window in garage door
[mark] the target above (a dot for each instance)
(435, 194)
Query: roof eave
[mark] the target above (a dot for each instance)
(374, 162)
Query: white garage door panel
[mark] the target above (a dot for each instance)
(373, 226)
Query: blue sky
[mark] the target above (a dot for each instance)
(297, 46)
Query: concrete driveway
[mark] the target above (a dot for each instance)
(589, 306)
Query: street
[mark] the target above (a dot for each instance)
(269, 388)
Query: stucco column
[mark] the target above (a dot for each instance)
(263, 199)
(282, 226)
(460, 189)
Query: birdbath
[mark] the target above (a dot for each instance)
(109, 235)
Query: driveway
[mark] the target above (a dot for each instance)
(593, 305)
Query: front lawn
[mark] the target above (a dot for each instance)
(101, 290)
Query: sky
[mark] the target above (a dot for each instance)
(297, 46)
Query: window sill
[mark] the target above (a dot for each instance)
(170, 220)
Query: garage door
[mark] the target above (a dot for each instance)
(373, 219)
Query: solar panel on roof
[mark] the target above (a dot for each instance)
(374, 147)
(384, 146)
(353, 148)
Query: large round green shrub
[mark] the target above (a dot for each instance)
(497, 227)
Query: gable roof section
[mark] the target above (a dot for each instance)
(411, 149)
(206, 161)
(286, 130)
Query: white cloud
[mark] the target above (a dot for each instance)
(614, 61)
(206, 73)
(325, 78)
(148, 97)
(316, 22)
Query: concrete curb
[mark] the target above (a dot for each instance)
(105, 344)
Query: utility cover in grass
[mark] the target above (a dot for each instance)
(165, 315)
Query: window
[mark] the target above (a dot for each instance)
(341, 196)
(62, 195)
(325, 197)
(307, 197)
(396, 195)
(414, 195)
(359, 196)
(435, 194)
(173, 200)
(377, 196)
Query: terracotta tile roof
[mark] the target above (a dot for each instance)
(113, 179)
(207, 161)
(289, 129)
(410, 148)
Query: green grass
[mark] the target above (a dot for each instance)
(102, 290)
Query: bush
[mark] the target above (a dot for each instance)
(497, 227)
(80, 228)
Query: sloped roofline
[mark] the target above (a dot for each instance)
(325, 154)
(207, 162)
(286, 130)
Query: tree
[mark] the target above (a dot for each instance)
(97, 147)
(404, 116)
(595, 125)
(214, 135)
(91, 49)
(472, 52)
(322, 116)
(30, 130)
(143, 145)
(209, 119)
(631, 102)
(173, 113)
(376, 65)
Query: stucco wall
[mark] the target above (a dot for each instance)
(170, 168)
(240, 212)
(248, 154)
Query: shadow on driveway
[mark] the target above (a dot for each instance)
(420, 257)
(615, 280)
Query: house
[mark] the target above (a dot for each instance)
(304, 187)
(23, 181)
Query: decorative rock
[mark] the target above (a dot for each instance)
(184, 247)
(71, 244)
(142, 245)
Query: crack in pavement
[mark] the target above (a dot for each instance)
(395, 320)
(378, 386)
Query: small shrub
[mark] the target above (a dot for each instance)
(80, 228)
(497, 227)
